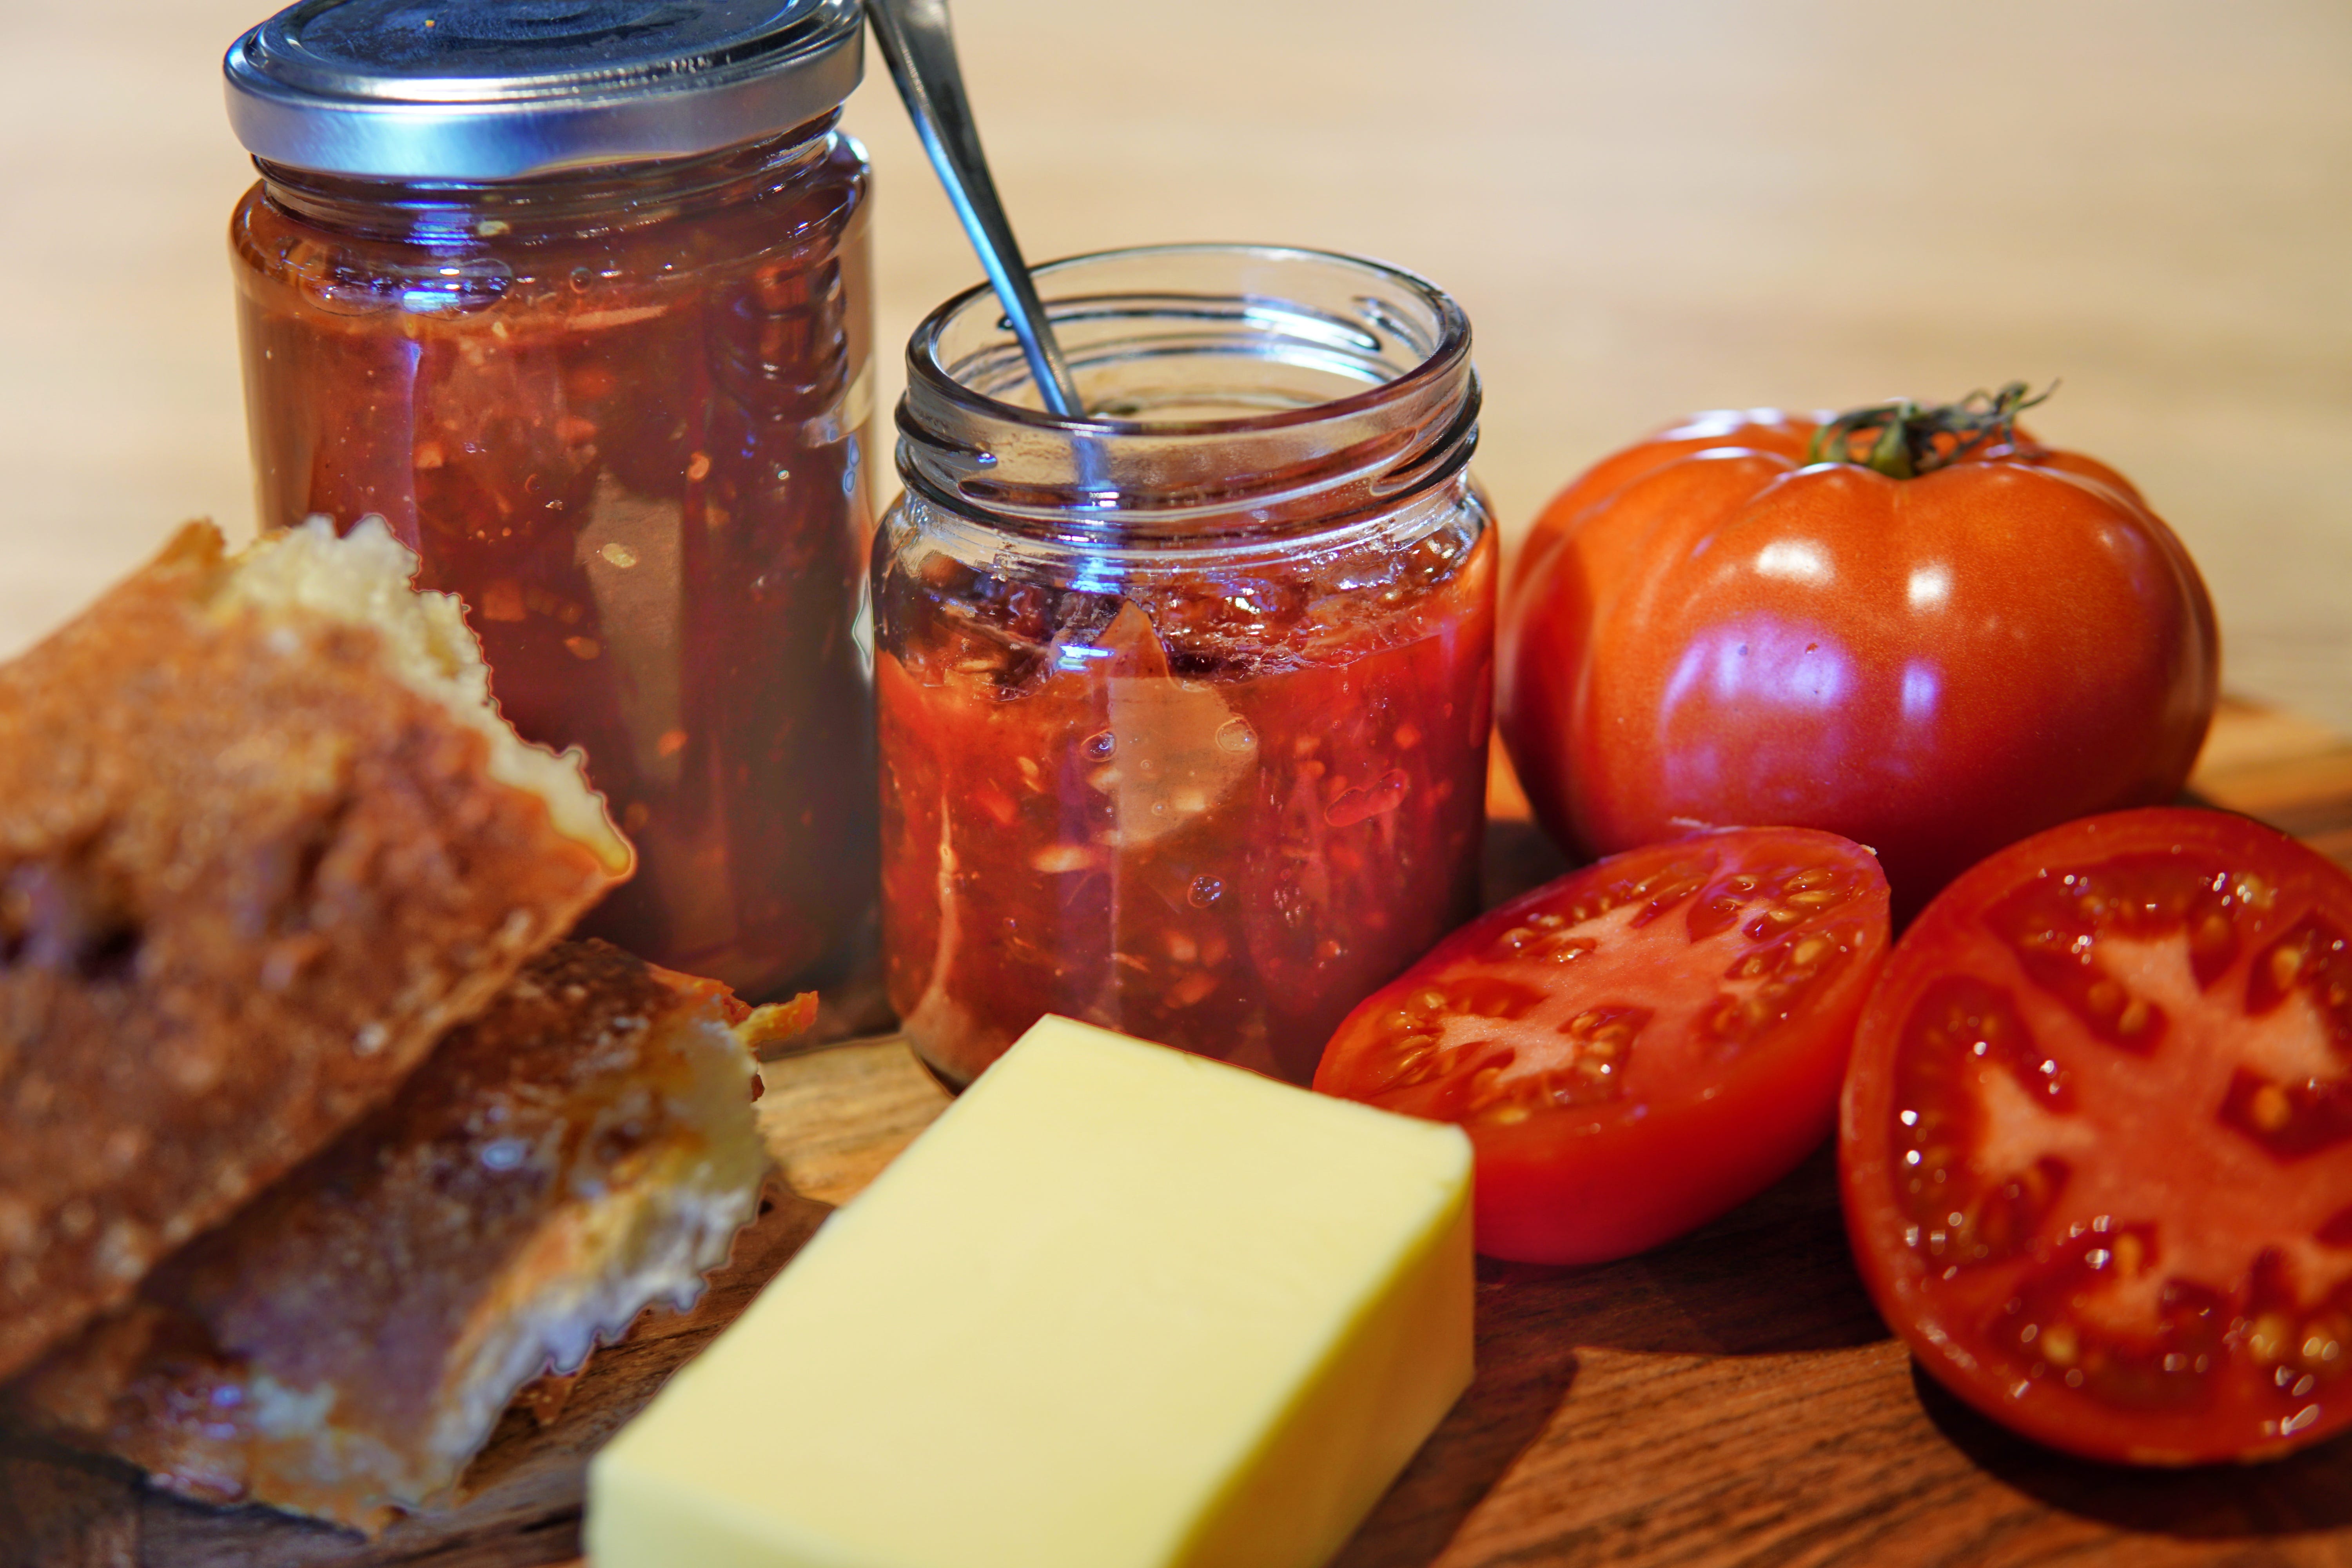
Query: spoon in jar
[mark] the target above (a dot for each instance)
(920, 48)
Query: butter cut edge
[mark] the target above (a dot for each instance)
(1380, 1386)
(365, 578)
(1353, 1425)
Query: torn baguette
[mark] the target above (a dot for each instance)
(262, 839)
(344, 1344)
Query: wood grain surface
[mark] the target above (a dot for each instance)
(1729, 1399)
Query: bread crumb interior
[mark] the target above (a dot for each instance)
(363, 578)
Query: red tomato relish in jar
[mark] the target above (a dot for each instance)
(1183, 706)
(612, 388)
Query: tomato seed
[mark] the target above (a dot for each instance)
(1666, 898)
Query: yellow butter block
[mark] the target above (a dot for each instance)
(1120, 1307)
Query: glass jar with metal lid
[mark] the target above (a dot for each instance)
(575, 293)
(1184, 703)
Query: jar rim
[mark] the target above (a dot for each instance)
(1448, 356)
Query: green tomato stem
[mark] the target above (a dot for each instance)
(1904, 439)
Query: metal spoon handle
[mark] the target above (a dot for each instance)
(915, 41)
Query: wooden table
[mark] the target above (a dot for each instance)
(1729, 1399)
(1645, 209)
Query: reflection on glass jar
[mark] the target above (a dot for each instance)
(622, 411)
(1183, 706)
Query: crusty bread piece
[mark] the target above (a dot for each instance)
(346, 1343)
(262, 838)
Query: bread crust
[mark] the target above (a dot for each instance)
(246, 877)
(344, 1343)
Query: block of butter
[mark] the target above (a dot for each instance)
(1119, 1307)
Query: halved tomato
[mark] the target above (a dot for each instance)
(1637, 1046)
(2097, 1140)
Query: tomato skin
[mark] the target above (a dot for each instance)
(1543, 1199)
(1704, 1114)
(1741, 429)
(2148, 1167)
(1934, 667)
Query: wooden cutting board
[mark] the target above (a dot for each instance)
(1732, 1398)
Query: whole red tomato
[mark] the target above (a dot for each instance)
(2096, 1139)
(1941, 639)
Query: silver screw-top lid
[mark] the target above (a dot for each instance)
(491, 89)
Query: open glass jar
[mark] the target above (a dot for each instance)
(589, 329)
(1183, 705)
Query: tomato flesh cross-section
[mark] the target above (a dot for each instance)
(2096, 1139)
(1637, 1046)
